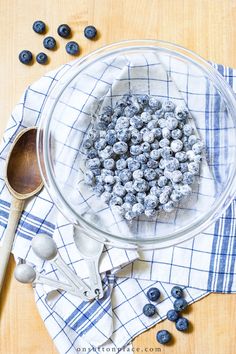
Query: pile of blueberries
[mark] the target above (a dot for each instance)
(50, 43)
(180, 304)
(142, 156)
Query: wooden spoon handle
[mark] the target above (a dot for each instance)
(16, 208)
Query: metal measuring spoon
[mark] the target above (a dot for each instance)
(90, 250)
(23, 180)
(26, 274)
(46, 249)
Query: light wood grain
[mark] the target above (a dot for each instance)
(205, 26)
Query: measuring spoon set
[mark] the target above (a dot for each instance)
(46, 249)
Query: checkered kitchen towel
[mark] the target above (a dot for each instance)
(118, 318)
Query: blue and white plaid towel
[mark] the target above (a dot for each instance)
(116, 319)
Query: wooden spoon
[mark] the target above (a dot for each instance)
(23, 180)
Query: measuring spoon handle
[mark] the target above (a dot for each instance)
(95, 278)
(16, 208)
(80, 285)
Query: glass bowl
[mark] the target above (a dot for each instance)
(138, 66)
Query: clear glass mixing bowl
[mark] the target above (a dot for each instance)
(66, 120)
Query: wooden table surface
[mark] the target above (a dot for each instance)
(205, 26)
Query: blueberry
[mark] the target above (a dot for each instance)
(176, 196)
(187, 129)
(115, 200)
(153, 294)
(172, 164)
(106, 196)
(106, 153)
(109, 164)
(176, 145)
(150, 213)
(162, 181)
(181, 113)
(154, 103)
(39, 27)
(138, 209)
(149, 310)
(159, 113)
(143, 99)
(111, 137)
(176, 134)
(136, 122)
(183, 167)
(100, 144)
(152, 164)
(152, 124)
(171, 123)
(140, 185)
(136, 137)
(163, 198)
(72, 48)
(98, 189)
(135, 150)
(110, 180)
(198, 147)
(123, 135)
(148, 137)
(172, 315)
(120, 148)
(164, 142)
(64, 31)
(125, 175)
(193, 168)
(157, 132)
(163, 336)
(151, 201)
(150, 174)
(165, 132)
(137, 174)
(133, 165)
(93, 163)
(146, 117)
(42, 58)
(166, 152)
(25, 57)
(192, 139)
(188, 178)
(90, 32)
(181, 156)
(130, 111)
(121, 164)
(177, 292)
(155, 154)
(168, 207)
(92, 153)
(168, 106)
(180, 304)
(49, 43)
(130, 198)
(119, 190)
(182, 324)
(127, 206)
(177, 176)
(145, 147)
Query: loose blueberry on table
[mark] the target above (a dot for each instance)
(177, 292)
(172, 315)
(163, 336)
(182, 324)
(64, 31)
(42, 58)
(25, 57)
(180, 304)
(49, 43)
(72, 48)
(149, 310)
(39, 27)
(152, 149)
(90, 32)
(153, 294)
